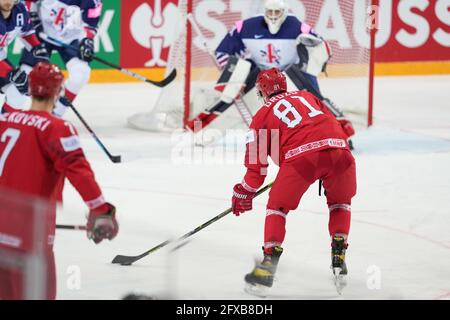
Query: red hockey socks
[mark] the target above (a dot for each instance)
(340, 216)
(274, 229)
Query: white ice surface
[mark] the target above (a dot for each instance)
(400, 216)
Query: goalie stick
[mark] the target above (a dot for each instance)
(160, 84)
(128, 260)
(207, 116)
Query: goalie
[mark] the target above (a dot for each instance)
(274, 39)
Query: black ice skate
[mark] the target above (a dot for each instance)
(261, 278)
(338, 265)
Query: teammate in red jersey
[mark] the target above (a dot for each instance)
(37, 152)
(300, 135)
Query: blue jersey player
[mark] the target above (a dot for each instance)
(268, 41)
(74, 22)
(15, 22)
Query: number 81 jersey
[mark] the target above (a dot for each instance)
(289, 126)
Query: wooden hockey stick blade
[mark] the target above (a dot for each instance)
(166, 81)
(116, 159)
(113, 158)
(129, 260)
(126, 260)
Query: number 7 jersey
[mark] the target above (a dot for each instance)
(38, 151)
(288, 126)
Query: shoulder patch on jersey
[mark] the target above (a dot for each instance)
(10, 241)
(95, 12)
(250, 137)
(71, 143)
(239, 26)
(306, 28)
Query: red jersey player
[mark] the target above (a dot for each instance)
(308, 144)
(37, 152)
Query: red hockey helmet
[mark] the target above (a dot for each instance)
(270, 82)
(45, 80)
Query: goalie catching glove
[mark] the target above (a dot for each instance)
(242, 200)
(314, 53)
(102, 223)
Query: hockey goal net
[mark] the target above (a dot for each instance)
(342, 23)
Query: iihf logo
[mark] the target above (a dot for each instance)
(272, 54)
(59, 16)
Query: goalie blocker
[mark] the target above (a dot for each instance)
(232, 82)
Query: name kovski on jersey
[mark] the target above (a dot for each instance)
(36, 121)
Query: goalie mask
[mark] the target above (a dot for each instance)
(270, 82)
(275, 12)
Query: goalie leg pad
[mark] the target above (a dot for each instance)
(233, 78)
(298, 80)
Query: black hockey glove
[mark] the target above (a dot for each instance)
(35, 20)
(86, 52)
(40, 53)
(20, 79)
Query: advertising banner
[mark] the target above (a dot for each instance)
(138, 34)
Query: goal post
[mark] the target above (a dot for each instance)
(343, 23)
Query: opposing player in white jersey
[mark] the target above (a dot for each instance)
(73, 22)
(273, 40)
(15, 22)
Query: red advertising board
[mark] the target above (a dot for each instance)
(145, 25)
(409, 30)
(418, 31)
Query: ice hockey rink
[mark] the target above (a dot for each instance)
(399, 239)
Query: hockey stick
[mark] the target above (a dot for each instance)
(208, 116)
(128, 260)
(115, 159)
(70, 227)
(160, 84)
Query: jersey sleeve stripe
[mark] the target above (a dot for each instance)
(239, 26)
(94, 203)
(94, 13)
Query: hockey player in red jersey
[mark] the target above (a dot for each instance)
(308, 143)
(38, 151)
